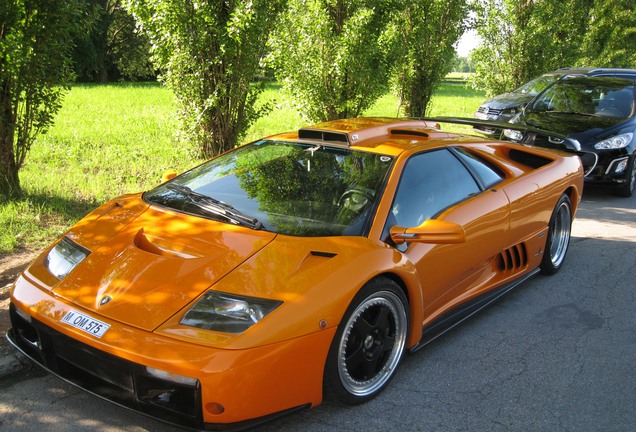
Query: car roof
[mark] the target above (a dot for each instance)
(597, 71)
(385, 135)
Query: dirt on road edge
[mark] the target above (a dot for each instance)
(10, 267)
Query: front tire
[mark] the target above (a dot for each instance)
(556, 246)
(368, 345)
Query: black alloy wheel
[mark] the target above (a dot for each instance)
(369, 343)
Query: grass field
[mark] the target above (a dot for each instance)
(120, 138)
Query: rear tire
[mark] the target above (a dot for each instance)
(627, 189)
(368, 345)
(556, 246)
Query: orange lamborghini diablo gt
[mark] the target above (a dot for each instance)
(293, 268)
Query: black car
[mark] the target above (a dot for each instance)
(596, 111)
(503, 107)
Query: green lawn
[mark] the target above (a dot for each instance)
(120, 138)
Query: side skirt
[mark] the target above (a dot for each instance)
(464, 311)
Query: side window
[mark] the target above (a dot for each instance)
(431, 182)
(488, 174)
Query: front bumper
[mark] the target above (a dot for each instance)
(602, 167)
(234, 389)
(605, 171)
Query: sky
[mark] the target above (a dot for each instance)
(467, 42)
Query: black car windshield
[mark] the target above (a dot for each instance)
(535, 86)
(607, 97)
(284, 187)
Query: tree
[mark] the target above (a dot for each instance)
(36, 37)
(463, 64)
(332, 55)
(501, 60)
(523, 39)
(113, 47)
(427, 31)
(611, 38)
(210, 51)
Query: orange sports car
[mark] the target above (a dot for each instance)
(294, 268)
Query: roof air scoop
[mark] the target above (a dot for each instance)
(409, 133)
(324, 136)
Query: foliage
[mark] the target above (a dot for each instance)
(426, 31)
(463, 64)
(210, 51)
(611, 39)
(523, 39)
(119, 138)
(112, 47)
(35, 43)
(332, 55)
(107, 140)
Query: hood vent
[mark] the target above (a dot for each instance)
(514, 258)
(323, 254)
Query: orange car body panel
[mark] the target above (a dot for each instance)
(281, 368)
(156, 263)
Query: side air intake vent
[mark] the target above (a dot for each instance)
(514, 258)
(325, 136)
(409, 132)
(529, 159)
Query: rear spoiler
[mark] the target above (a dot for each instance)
(525, 137)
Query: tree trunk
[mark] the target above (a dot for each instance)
(9, 180)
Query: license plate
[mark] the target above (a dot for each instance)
(85, 323)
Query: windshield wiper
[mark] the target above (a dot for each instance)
(216, 207)
(573, 112)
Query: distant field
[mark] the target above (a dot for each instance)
(120, 138)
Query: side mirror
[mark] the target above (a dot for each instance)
(431, 231)
(168, 175)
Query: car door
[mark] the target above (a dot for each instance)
(446, 184)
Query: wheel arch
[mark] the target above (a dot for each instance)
(575, 198)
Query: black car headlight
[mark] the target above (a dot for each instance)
(64, 257)
(615, 142)
(227, 313)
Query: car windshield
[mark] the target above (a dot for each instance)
(537, 85)
(288, 188)
(589, 96)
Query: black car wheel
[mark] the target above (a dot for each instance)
(627, 189)
(556, 245)
(369, 343)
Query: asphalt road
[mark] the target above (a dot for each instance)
(556, 354)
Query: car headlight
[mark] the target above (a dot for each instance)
(64, 257)
(615, 142)
(510, 112)
(228, 313)
(513, 135)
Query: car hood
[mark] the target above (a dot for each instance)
(508, 100)
(584, 128)
(315, 278)
(152, 262)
